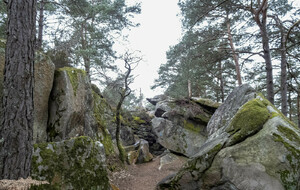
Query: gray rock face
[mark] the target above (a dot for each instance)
(180, 125)
(44, 75)
(228, 109)
(157, 99)
(78, 163)
(71, 106)
(253, 148)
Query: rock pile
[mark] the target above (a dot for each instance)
(250, 145)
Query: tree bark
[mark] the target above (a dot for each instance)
(283, 74)
(260, 17)
(124, 93)
(189, 89)
(298, 107)
(221, 82)
(290, 105)
(234, 55)
(41, 26)
(17, 123)
(86, 59)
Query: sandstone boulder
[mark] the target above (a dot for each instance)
(180, 125)
(43, 77)
(71, 106)
(139, 152)
(78, 163)
(252, 146)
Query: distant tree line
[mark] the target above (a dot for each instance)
(230, 42)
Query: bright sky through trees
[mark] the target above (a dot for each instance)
(159, 29)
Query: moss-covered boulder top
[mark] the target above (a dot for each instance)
(252, 146)
(180, 125)
(78, 163)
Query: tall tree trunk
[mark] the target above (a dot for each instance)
(221, 81)
(234, 55)
(189, 89)
(260, 17)
(86, 59)
(290, 105)
(283, 75)
(39, 41)
(298, 107)
(17, 124)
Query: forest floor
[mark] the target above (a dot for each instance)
(145, 176)
(135, 177)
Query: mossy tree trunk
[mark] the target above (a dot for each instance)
(17, 123)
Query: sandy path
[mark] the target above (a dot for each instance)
(145, 176)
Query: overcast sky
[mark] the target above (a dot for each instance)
(159, 28)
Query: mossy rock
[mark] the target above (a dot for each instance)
(207, 103)
(248, 120)
(78, 163)
(74, 75)
(138, 120)
(100, 110)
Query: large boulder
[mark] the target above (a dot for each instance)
(180, 125)
(78, 163)
(71, 106)
(43, 77)
(252, 146)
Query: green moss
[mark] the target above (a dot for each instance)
(138, 120)
(100, 107)
(45, 187)
(248, 121)
(289, 178)
(73, 75)
(290, 134)
(70, 165)
(192, 127)
(266, 102)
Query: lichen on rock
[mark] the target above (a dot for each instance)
(78, 163)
